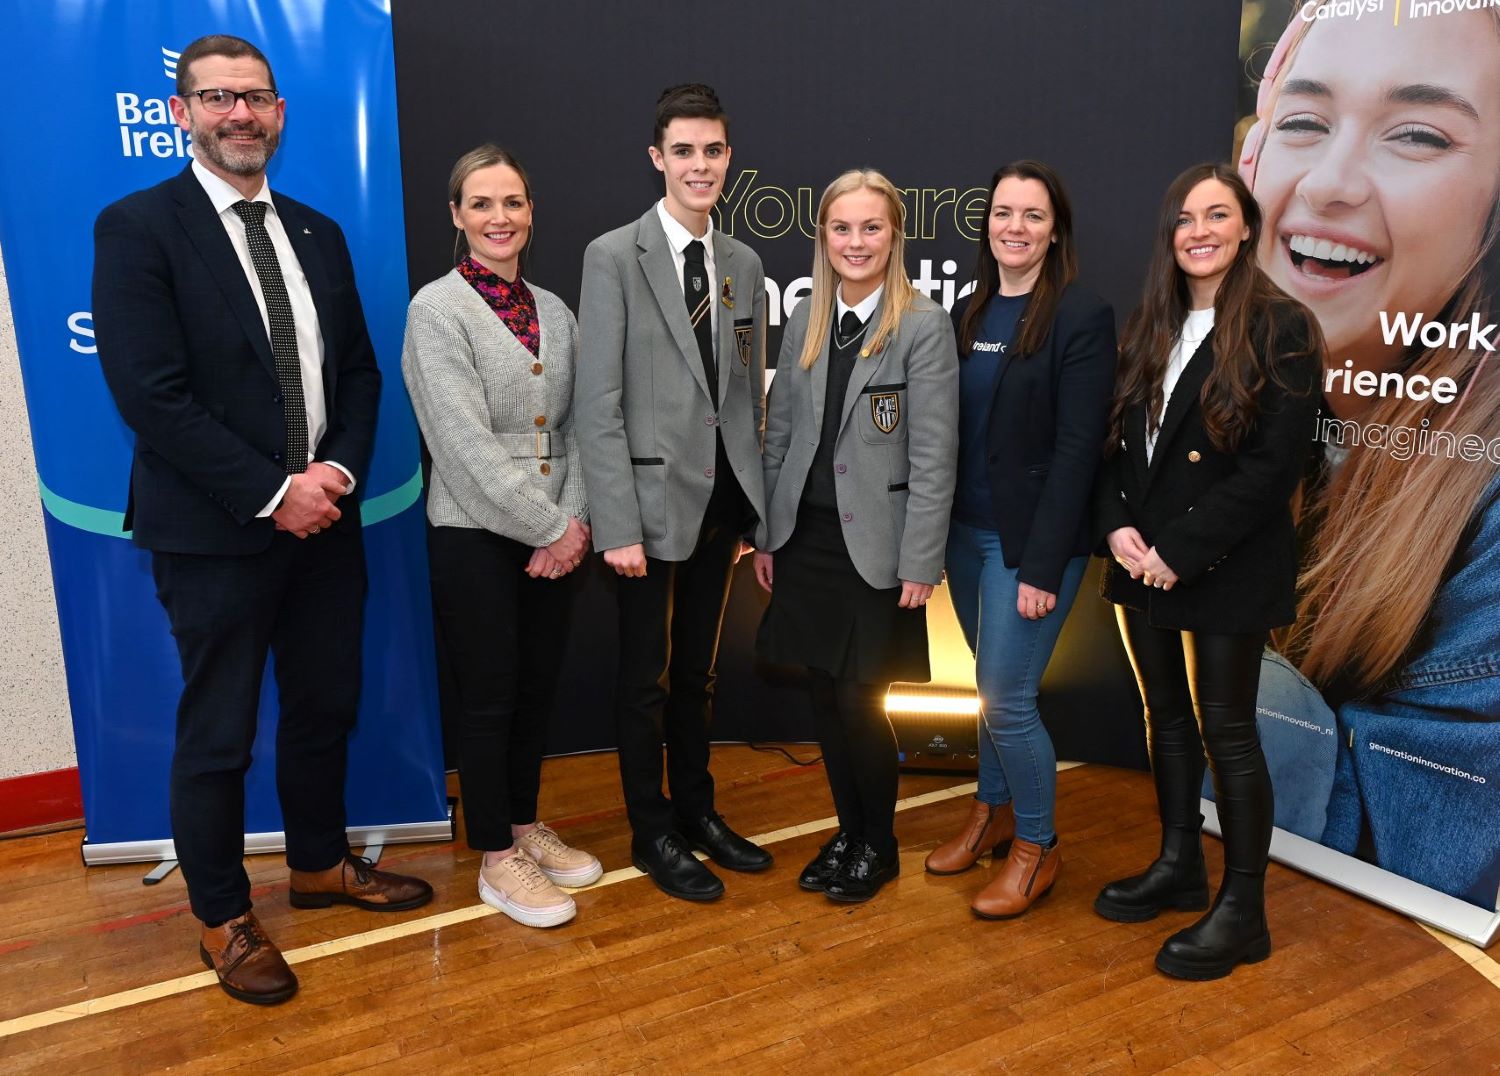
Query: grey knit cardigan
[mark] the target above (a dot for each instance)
(497, 420)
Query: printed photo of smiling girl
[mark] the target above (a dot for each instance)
(1376, 159)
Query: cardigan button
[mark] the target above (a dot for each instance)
(541, 420)
(546, 468)
(536, 367)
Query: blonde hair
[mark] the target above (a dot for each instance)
(1388, 529)
(897, 298)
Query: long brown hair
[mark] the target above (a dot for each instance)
(1059, 269)
(1247, 308)
(897, 297)
(1390, 527)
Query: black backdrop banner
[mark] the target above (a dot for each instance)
(1118, 97)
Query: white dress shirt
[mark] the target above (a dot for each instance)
(678, 238)
(1194, 328)
(862, 310)
(304, 313)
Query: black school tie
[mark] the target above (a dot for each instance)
(283, 331)
(700, 301)
(849, 328)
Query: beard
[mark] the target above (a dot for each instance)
(236, 157)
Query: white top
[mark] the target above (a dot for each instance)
(678, 238)
(862, 310)
(304, 313)
(1195, 328)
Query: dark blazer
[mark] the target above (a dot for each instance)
(186, 356)
(1046, 422)
(1221, 521)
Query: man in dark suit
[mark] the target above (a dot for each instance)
(232, 338)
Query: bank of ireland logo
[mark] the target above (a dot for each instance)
(146, 125)
(885, 410)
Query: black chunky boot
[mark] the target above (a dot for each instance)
(1233, 932)
(1177, 881)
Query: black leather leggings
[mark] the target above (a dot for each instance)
(1199, 693)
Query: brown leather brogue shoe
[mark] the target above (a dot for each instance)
(248, 964)
(1026, 876)
(987, 829)
(354, 880)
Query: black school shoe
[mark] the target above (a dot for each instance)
(711, 834)
(823, 866)
(861, 874)
(667, 862)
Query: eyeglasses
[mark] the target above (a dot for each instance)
(222, 101)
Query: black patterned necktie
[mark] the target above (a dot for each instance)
(283, 331)
(700, 301)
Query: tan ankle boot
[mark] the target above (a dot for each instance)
(987, 828)
(1025, 877)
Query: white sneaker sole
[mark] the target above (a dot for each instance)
(576, 878)
(531, 917)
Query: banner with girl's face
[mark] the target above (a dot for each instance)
(1370, 134)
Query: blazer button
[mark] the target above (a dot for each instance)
(546, 468)
(848, 517)
(536, 367)
(276, 399)
(840, 468)
(541, 420)
(710, 420)
(708, 472)
(1194, 456)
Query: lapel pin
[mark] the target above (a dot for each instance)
(727, 294)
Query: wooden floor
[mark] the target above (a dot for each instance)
(768, 979)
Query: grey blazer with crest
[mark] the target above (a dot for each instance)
(896, 460)
(646, 422)
(479, 395)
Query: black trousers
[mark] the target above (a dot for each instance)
(859, 756)
(303, 600)
(1199, 693)
(502, 634)
(669, 641)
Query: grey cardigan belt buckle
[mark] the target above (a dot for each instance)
(543, 444)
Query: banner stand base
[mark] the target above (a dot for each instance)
(1449, 914)
(367, 837)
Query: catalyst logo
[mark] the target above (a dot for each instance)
(1316, 10)
(147, 129)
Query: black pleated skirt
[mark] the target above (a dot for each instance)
(825, 616)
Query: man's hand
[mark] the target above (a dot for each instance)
(628, 560)
(306, 508)
(334, 481)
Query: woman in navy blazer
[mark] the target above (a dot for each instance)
(1211, 425)
(1037, 369)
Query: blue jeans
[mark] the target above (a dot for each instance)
(1016, 759)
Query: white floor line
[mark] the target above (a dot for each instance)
(125, 999)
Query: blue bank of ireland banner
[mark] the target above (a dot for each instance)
(88, 85)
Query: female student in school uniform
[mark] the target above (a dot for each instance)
(859, 468)
(1210, 429)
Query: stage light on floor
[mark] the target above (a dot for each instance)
(936, 728)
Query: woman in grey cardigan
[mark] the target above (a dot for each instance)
(488, 361)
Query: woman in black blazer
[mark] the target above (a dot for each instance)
(1036, 374)
(1211, 425)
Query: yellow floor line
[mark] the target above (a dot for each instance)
(1471, 955)
(142, 994)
